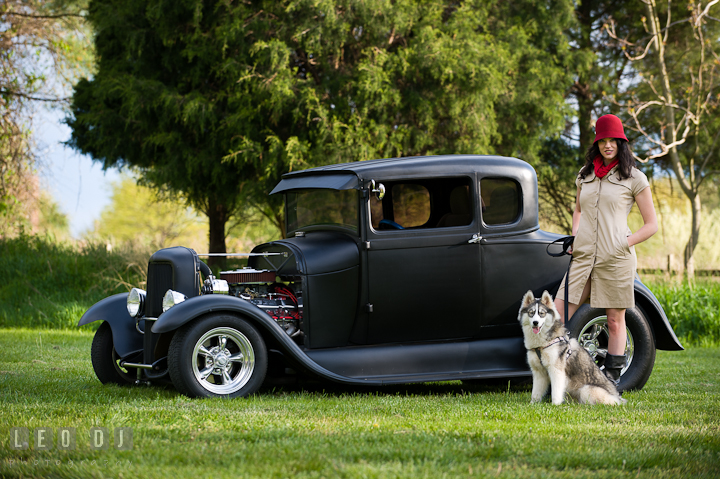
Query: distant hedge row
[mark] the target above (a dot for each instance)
(49, 284)
(694, 312)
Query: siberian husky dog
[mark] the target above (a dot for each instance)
(557, 360)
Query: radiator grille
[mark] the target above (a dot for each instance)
(160, 279)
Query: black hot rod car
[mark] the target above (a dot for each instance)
(393, 271)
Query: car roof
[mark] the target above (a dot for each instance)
(422, 165)
(345, 176)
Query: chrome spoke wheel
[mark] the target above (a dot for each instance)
(589, 326)
(594, 337)
(218, 355)
(223, 360)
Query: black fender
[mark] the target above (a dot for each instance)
(665, 337)
(193, 308)
(113, 309)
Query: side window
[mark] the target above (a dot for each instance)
(421, 204)
(500, 200)
(458, 211)
(411, 205)
(406, 205)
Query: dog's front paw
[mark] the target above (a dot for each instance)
(536, 398)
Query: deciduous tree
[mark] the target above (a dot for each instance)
(674, 102)
(39, 49)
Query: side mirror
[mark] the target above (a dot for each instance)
(379, 191)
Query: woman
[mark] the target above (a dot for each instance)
(604, 261)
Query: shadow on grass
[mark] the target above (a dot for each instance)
(449, 388)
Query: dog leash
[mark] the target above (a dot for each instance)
(567, 242)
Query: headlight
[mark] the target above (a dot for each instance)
(136, 302)
(172, 298)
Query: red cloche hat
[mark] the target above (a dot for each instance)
(609, 126)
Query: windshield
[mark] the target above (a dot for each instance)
(322, 207)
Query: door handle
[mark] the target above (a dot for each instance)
(476, 238)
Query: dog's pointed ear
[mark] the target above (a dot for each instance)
(528, 299)
(547, 300)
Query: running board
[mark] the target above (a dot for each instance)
(441, 361)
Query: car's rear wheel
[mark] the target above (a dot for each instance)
(106, 361)
(218, 355)
(589, 326)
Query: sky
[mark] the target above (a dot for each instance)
(79, 186)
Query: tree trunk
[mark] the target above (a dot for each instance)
(583, 90)
(280, 223)
(694, 238)
(217, 216)
(587, 132)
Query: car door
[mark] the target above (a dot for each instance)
(424, 276)
(514, 259)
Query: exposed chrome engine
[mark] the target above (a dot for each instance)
(280, 298)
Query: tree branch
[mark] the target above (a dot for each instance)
(644, 39)
(704, 12)
(34, 98)
(611, 32)
(667, 24)
(59, 15)
(710, 152)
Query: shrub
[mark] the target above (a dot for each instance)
(50, 284)
(694, 312)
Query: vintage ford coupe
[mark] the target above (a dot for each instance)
(400, 270)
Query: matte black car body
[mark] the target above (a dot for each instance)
(382, 302)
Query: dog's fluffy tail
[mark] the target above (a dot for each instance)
(595, 395)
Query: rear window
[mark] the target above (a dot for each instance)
(500, 200)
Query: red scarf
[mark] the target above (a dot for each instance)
(600, 169)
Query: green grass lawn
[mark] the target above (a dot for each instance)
(669, 429)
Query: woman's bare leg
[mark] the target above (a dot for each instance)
(618, 333)
(572, 307)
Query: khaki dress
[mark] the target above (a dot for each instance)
(600, 251)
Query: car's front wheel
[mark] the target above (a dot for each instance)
(589, 326)
(218, 355)
(105, 361)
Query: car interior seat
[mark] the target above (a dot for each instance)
(503, 207)
(460, 210)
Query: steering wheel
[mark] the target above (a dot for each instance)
(391, 224)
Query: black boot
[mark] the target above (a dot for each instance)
(613, 367)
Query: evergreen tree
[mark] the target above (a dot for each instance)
(217, 99)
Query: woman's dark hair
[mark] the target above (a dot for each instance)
(626, 161)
